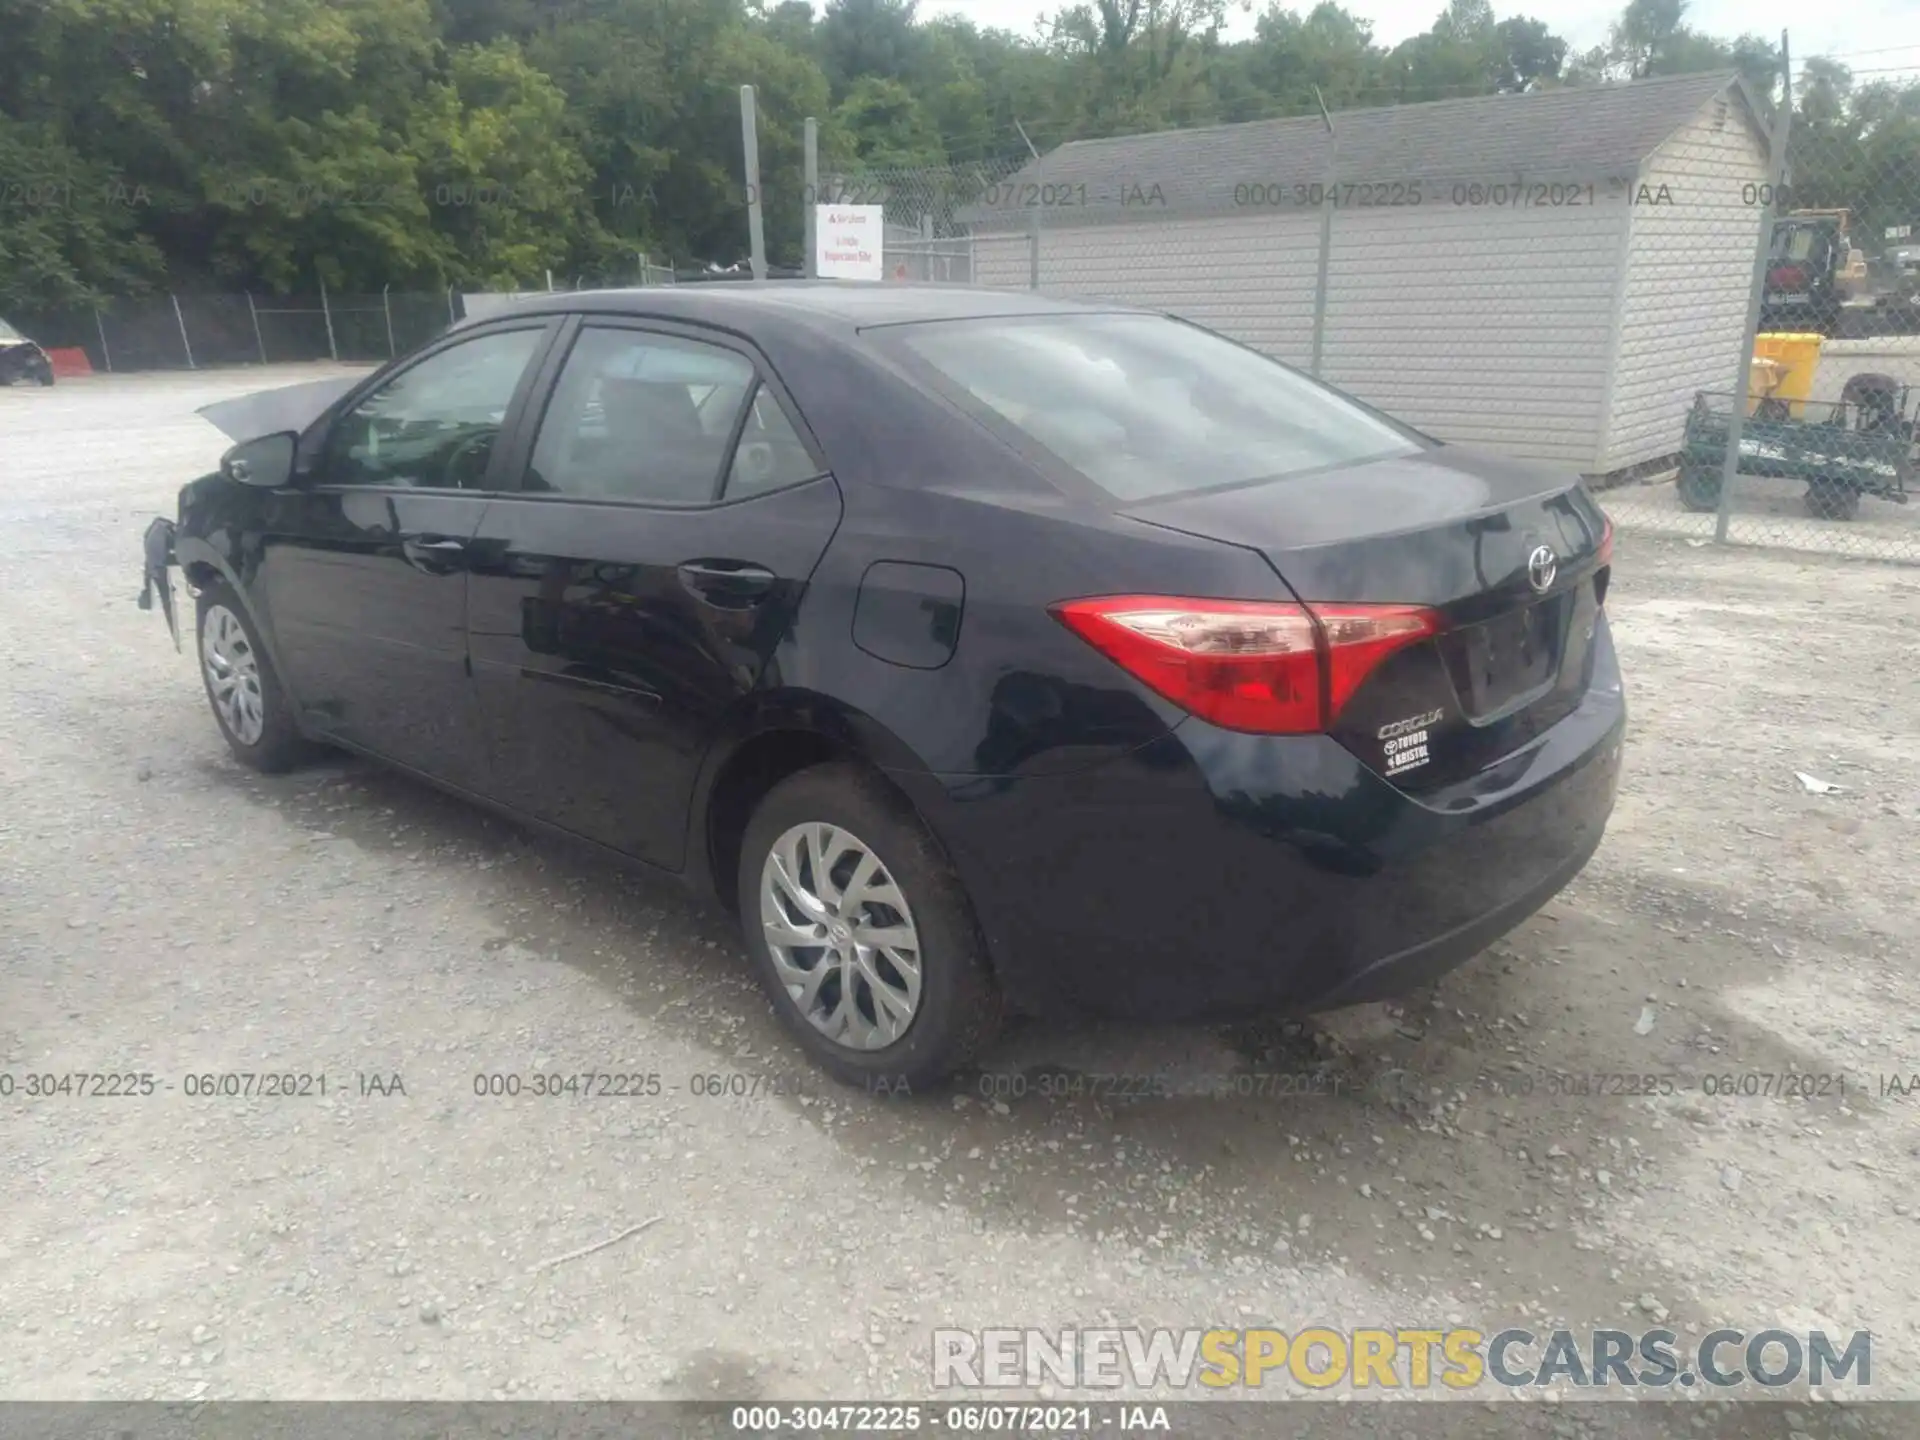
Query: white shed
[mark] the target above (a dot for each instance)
(1551, 275)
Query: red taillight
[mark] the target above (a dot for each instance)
(1606, 544)
(1359, 637)
(1269, 668)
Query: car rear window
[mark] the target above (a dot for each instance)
(1146, 406)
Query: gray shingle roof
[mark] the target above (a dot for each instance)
(1578, 134)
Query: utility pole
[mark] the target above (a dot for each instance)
(810, 146)
(750, 144)
(1756, 291)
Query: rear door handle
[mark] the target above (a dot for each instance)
(435, 554)
(730, 584)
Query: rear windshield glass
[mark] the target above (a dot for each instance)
(7, 332)
(1145, 406)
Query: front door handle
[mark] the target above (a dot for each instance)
(729, 584)
(437, 555)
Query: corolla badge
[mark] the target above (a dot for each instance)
(1542, 566)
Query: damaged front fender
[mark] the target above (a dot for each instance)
(157, 577)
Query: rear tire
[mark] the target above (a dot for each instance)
(1832, 502)
(907, 1010)
(1698, 489)
(243, 689)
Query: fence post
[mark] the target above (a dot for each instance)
(333, 350)
(1756, 289)
(1326, 241)
(258, 338)
(1033, 232)
(810, 161)
(750, 145)
(387, 310)
(106, 355)
(181, 321)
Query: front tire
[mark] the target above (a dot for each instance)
(861, 934)
(243, 689)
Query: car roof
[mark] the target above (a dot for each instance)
(822, 304)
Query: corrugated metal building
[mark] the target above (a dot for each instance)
(1551, 275)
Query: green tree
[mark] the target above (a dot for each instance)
(69, 227)
(1528, 55)
(1329, 48)
(867, 38)
(886, 124)
(274, 143)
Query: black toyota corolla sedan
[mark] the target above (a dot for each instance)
(981, 651)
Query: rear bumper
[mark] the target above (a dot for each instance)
(1213, 874)
(1428, 960)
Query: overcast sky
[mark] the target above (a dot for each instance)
(1846, 27)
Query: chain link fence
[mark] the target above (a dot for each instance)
(1631, 281)
(191, 331)
(197, 331)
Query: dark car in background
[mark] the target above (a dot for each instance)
(979, 651)
(21, 359)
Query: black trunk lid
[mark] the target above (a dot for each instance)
(1506, 552)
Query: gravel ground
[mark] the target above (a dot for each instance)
(164, 911)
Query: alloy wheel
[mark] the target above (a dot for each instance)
(842, 936)
(233, 674)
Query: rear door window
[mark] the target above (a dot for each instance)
(640, 416)
(770, 455)
(1146, 406)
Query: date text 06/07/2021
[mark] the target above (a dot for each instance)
(197, 1084)
(537, 1085)
(963, 1419)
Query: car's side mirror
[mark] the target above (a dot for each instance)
(266, 461)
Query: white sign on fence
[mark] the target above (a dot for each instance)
(849, 242)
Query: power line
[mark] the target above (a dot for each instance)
(1913, 69)
(1843, 54)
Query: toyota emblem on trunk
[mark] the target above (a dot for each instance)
(1542, 566)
